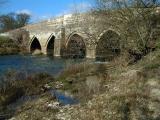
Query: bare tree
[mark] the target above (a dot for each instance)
(137, 19)
(12, 21)
(7, 22)
(21, 38)
(22, 19)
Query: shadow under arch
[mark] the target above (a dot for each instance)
(108, 46)
(75, 47)
(35, 45)
(50, 45)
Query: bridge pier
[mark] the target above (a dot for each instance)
(44, 50)
(90, 39)
(57, 47)
(90, 53)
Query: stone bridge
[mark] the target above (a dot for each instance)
(79, 35)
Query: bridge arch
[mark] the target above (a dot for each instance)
(108, 45)
(35, 45)
(50, 45)
(75, 46)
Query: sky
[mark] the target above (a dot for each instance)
(45, 9)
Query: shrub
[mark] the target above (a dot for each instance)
(8, 46)
(152, 66)
(17, 84)
(93, 84)
(74, 69)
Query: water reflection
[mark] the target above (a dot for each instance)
(63, 99)
(35, 64)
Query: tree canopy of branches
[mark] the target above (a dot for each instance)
(12, 21)
(137, 19)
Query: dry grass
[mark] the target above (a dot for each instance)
(16, 84)
(129, 94)
(74, 69)
(8, 46)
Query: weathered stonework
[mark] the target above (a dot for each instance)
(89, 27)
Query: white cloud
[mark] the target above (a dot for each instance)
(80, 7)
(24, 11)
(72, 8)
(43, 17)
(63, 13)
(75, 7)
(38, 18)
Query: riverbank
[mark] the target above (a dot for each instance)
(16, 85)
(19, 85)
(8, 46)
(130, 92)
(110, 91)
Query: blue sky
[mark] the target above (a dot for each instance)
(44, 9)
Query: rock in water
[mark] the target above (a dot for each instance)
(37, 52)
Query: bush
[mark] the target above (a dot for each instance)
(16, 84)
(74, 69)
(152, 66)
(8, 46)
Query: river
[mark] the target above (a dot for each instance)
(34, 64)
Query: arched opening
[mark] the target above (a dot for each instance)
(108, 46)
(76, 47)
(50, 46)
(35, 45)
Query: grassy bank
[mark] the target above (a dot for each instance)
(8, 46)
(114, 91)
(125, 92)
(15, 85)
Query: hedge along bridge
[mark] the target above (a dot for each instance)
(80, 35)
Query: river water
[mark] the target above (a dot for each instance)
(38, 64)
(34, 64)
